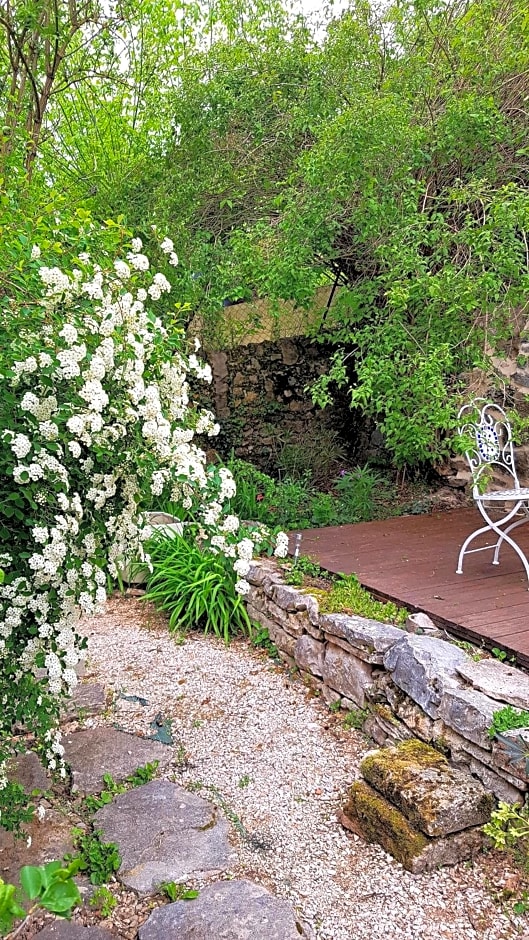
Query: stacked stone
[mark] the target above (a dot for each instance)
(413, 684)
(418, 808)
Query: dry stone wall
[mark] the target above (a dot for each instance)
(260, 395)
(411, 685)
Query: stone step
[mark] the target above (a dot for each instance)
(164, 833)
(436, 798)
(64, 930)
(226, 910)
(96, 751)
(370, 816)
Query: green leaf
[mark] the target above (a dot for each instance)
(31, 879)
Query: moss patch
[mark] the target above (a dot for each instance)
(402, 762)
(375, 820)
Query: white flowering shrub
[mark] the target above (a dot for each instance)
(96, 424)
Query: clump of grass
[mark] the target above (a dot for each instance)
(347, 594)
(195, 588)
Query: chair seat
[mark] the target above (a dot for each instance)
(501, 495)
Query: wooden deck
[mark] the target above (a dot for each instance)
(412, 560)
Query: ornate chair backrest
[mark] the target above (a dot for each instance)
(488, 427)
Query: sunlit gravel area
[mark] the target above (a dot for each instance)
(253, 739)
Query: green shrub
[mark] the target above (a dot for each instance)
(195, 588)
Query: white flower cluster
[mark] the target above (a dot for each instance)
(104, 420)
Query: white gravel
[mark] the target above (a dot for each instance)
(278, 763)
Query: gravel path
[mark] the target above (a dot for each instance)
(253, 739)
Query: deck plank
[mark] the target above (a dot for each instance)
(412, 560)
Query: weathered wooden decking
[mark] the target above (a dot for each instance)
(412, 560)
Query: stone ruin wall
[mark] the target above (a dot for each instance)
(259, 395)
(411, 685)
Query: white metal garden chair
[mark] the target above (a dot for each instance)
(489, 429)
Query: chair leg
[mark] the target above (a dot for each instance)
(506, 531)
(503, 536)
(466, 543)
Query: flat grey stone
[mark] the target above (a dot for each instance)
(498, 680)
(28, 771)
(288, 598)
(65, 930)
(51, 839)
(424, 667)
(510, 754)
(227, 910)
(368, 635)
(422, 624)
(502, 789)
(89, 698)
(434, 797)
(309, 654)
(346, 674)
(164, 833)
(97, 751)
(469, 713)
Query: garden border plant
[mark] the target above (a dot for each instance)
(97, 420)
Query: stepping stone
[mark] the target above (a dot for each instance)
(165, 833)
(434, 797)
(370, 816)
(104, 750)
(89, 698)
(65, 930)
(28, 771)
(50, 839)
(227, 910)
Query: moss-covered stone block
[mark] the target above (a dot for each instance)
(374, 819)
(434, 797)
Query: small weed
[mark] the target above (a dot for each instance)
(334, 707)
(301, 568)
(98, 859)
(181, 758)
(521, 906)
(176, 892)
(507, 719)
(508, 826)
(196, 723)
(502, 655)
(143, 774)
(104, 901)
(262, 640)
(16, 808)
(93, 803)
(354, 719)
(348, 594)
(244, 781)
(469, 648)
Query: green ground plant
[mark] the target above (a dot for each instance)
(508, 719)
(177, 892)
(104, 901)
(348, 594)
(509, 827)
(357, 495)
(49, 886)
(355, 718)
(99, 860)
(300, 568)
